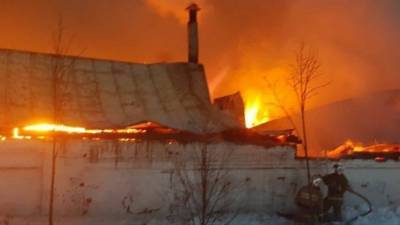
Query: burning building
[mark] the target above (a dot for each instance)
(88, 125)
(118, 129)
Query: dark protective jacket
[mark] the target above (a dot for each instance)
(337, 185)
(309, 197)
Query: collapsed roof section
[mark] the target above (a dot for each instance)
(107, 94)
(379, 152)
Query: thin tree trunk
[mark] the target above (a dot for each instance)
(305, 144)
(59, 71)
(54, 147)
(204, 181)
(52, 181)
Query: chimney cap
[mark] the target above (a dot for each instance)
(193, 7)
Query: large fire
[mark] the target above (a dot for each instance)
(255, 113)
(265, 96)
(254, 116)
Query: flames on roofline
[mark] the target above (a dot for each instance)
(378, 152)
(150, 131)
(147, 131)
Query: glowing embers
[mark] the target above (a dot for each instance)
(255, 113)
(45, 127)
(46, 130)
(16, 134)
(54, 128)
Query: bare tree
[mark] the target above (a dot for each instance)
(279, 102)
(203, 192)
(304, 80)
(59, 68)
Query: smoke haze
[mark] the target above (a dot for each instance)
(241, 41)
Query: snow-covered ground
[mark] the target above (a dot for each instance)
(381, 216)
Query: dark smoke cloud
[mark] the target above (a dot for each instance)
(241, 40)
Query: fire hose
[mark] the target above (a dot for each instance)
(352, 220)
(293, 216)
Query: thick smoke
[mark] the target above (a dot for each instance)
(241, 40)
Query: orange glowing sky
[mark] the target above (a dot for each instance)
(241, 40)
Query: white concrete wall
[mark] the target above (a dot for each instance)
(96, 179)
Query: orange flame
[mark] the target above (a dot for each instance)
(255, 114)
(43, 128)
(16, 135)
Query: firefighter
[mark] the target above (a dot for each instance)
(309, 200)
(337, 184)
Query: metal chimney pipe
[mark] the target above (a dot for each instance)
(193, 34)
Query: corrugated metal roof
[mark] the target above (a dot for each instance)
(106, 94)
